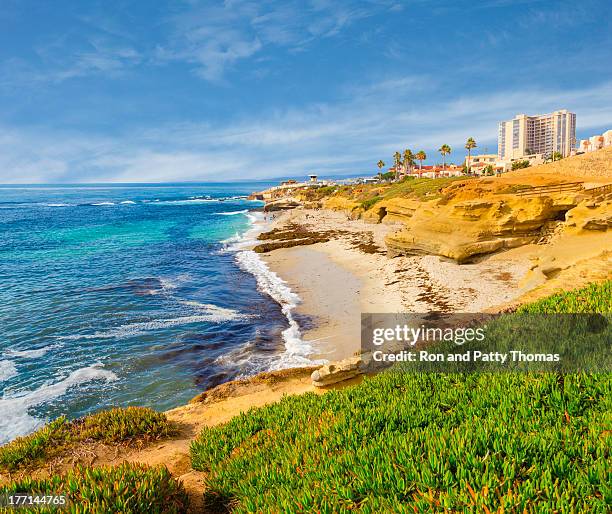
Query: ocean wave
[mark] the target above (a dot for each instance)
(297, 351)
(239, 242)
(217, 315)
(100, 204)
(30, 354)
(20, 422)
(57, 205)
(128, 202)
(191, 201)
(232, 213)
(7, 370)
(246, 358)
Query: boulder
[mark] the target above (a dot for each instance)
(335, 372)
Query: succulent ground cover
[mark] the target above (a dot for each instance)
(120, 425)
(127, 488)
(425, 442)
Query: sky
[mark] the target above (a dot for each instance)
(187, 90)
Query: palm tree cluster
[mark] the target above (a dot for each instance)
(406, 161)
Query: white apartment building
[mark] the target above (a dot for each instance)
(596, 142)
(542, 134)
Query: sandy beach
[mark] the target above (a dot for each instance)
(351, 274)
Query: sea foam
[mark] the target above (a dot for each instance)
(7, 370)
(15, 419)
(30, 354)
(211, 315)
(233, 213)
(297, 351)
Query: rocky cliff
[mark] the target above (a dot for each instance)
(463, 229)
(467, 218)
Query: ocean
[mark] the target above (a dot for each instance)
(133, 295)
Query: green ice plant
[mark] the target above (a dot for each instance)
(424, 442)
(119, 425)
(127, 488)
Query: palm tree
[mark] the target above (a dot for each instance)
(408, 160)
(469, 145)
(380, 165)
(444, 150)
(397, 159)
(421, 156)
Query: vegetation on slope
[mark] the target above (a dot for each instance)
(400, 442)
(421, 188)
(128, 488)
(118, 425)
(593, 298)
(425, 442)
(367, 195)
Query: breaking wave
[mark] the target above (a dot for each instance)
(17, 405)
(212, 314)
(30, 354)
(297, 351)
(233, 213)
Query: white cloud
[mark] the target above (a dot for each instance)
(348, 136)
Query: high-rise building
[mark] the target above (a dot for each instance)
(542, 134)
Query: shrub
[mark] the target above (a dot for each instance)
(123, 424)
(127, 488)
(519, 165)
(34, 446)
(118, 425)
(366, 204)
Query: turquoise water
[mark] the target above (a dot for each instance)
(131, 295)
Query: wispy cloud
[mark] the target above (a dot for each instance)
(214, 38)
(344, 137)
(55, 65)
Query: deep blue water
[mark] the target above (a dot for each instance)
(130, 295)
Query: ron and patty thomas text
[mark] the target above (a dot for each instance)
(468, 356)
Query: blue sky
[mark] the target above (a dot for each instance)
(138, 91)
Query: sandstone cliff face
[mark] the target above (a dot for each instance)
(463, 229)
(586, 235)
(394, 210)
(340, 203)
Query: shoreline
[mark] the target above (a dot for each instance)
(339, 279)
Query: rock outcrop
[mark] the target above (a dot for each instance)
(282, 204)
(338, 372)
(352, 208)
(463, 229)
